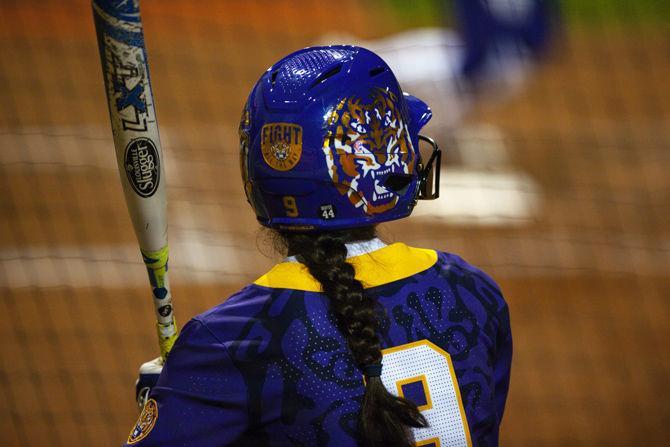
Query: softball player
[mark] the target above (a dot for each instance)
(349, 341)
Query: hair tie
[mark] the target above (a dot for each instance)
(372, 370)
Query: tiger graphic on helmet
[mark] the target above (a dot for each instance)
(366, 142)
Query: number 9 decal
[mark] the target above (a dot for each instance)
(290, 206)
(424, 373)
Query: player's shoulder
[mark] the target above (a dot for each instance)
(474, 288)
(239, 303)
(457, 270)
(228, 319)
(453, 263)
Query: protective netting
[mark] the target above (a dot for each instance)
(555, 181)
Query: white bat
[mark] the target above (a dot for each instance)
(138, 150)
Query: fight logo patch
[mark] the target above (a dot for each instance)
(145, 423)
(143, 166)
(281, 144)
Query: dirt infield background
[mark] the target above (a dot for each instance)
(583, 146)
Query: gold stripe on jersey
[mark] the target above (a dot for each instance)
(391, 263)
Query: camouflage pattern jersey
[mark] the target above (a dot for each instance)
(269, 367)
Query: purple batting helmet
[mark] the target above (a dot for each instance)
(328, 140)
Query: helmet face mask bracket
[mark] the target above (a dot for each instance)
(429, 174)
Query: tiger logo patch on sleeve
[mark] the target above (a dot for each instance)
(145, 423)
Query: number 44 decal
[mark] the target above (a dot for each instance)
(327, 212)
(424, 373)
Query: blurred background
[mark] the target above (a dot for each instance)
(555, 120)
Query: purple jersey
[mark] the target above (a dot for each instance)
(269, 366)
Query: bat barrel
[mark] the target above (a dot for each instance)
(139, 154)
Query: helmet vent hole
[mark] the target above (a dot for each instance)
(273, 77)
(398, 182)
(328, 74)
(376, 71)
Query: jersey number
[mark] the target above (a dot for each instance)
(423, 372)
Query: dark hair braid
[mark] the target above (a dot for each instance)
(385, 419)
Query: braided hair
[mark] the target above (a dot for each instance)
(385, 419)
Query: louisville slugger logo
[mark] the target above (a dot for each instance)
(142, 166)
